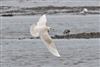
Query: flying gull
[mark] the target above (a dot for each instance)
(41, 30)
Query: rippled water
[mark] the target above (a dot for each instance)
(34, 3)
(33, 53)
(19, 26)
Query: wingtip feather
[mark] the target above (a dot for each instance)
(57, 54)
(54, 51)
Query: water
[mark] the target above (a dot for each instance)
(19, 26)
(33, 53)
(34, 3)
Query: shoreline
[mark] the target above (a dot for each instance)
(83, 35)
(9, 11)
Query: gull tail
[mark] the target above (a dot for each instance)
(34, 31)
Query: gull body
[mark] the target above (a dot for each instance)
(84, 11)
(41, 30)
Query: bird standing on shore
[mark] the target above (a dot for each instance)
(41, 29)
(84, 11)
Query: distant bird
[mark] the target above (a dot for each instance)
(66, 32)
(41, 29)
(84, 11)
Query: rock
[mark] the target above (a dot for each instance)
(66, 31)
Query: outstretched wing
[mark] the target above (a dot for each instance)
(49, 43)
(42, 20)
(33, 31)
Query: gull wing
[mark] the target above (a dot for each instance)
(34, 31)
(42, 20)
(49, 43)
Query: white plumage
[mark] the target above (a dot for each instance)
(84, 11)
(41, 29)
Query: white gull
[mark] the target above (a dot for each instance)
(41, 30)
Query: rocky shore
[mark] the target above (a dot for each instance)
(19, 11)
(80, 35)
(71, 36)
